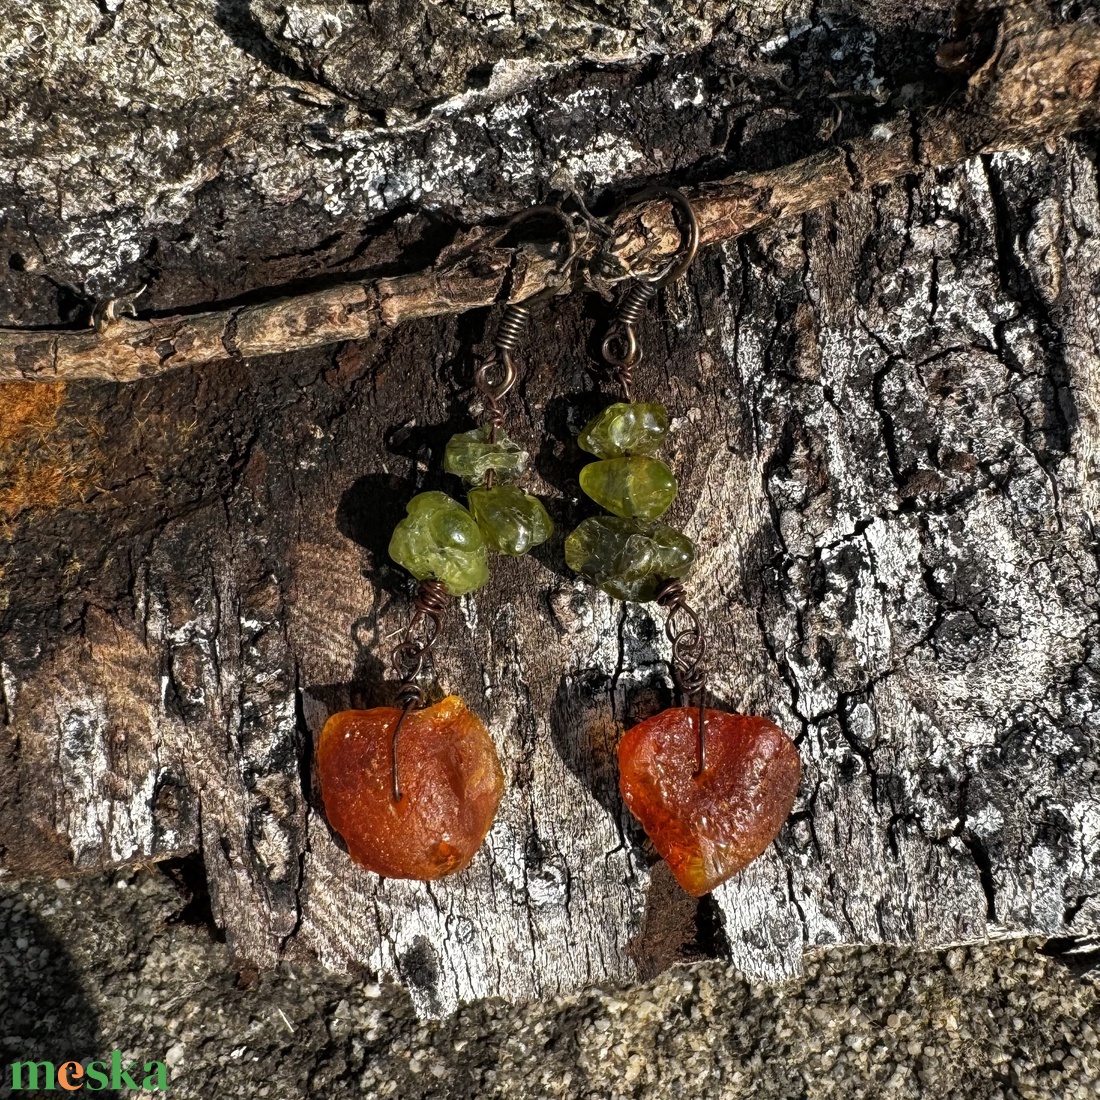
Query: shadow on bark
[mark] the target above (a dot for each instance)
(245, 31)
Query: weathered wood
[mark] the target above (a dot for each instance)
(886, 434)
(1040, 83)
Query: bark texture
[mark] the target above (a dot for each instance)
(886, 434)
(1033, 81)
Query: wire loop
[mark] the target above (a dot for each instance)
(684, 629)
(569, 236)
(689, 241)
(496, 376)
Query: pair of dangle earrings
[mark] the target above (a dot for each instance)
(413, 789)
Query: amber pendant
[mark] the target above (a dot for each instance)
(708, 827)
(451, 785)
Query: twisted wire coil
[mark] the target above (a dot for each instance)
(409, 655)
(684, 630)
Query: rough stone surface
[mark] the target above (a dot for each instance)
(512, 521)
(470, 456)
(439, 540)
(628, 559)
(116, 962)
(635, 428)
(633, 488)
(885, 430)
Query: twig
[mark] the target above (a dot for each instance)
(1039, 82)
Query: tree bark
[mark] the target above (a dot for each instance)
(1039, 83)
(885, 432)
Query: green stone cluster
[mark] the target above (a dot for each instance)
(440, 540)
(628, 554)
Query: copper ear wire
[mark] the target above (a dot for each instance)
(497, 375)
(620, 345)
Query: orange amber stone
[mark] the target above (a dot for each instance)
(708, 828)
(451, 783)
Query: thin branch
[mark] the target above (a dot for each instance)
(1039, 83)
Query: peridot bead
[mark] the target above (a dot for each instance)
(628, 559)
(637, 428)
(470, 456)
(633, 488)
(440, 540)
(511, 520)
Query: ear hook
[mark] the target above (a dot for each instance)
(569, 236)
(620, 346)
(497, 374)
(689, 240)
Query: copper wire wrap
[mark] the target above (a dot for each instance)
(620, 345)
(496, 376)
(684, 630)
(411, 653)
(513, 325)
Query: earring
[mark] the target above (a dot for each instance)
(413, 789)
(711, 789)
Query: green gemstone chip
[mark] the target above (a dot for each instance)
(470, 456)
(637, 428)
(628, 559)
(440, 540)
(511, 520)
(632, 488)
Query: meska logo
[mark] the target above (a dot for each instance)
(70, 1076)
